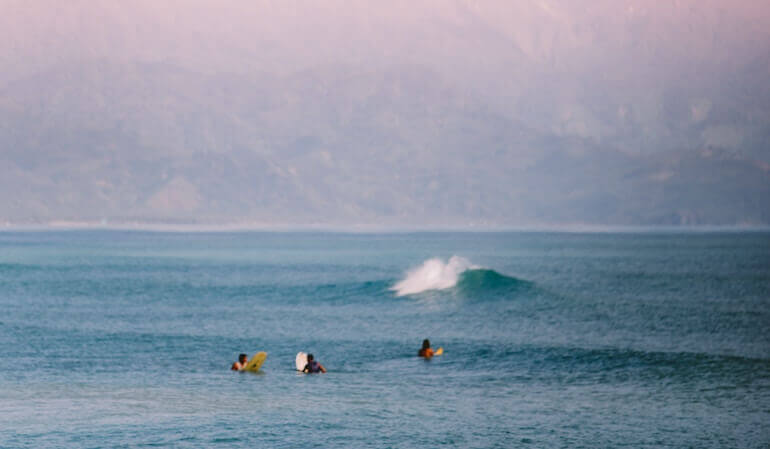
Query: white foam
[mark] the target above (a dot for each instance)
(433, 274)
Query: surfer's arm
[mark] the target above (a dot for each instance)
(321, 367)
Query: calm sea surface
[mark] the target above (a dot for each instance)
(124, 339)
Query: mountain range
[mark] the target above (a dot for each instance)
(425, 113)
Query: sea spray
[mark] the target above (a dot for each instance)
(433, 274)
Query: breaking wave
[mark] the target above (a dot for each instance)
(458, 272)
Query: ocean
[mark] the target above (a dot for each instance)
(629, 339)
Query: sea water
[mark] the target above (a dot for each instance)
(125, 339)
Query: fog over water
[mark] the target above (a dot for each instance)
(422, 113)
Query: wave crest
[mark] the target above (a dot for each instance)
(461, 275)
(433, 274)
(490, 282)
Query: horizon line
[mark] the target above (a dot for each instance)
(366, 228)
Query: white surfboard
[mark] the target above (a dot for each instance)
(300, 361)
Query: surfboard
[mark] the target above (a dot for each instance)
(300, 361)
(256, 362)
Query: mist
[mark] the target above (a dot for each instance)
(422, 113)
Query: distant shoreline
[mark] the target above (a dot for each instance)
(372, 229)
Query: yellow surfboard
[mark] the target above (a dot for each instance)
(439, 351)
(256, 362)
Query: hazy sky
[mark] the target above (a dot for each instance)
(316, 92)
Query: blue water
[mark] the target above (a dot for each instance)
(124, 339)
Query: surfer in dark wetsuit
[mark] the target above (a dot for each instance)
(426, 351)
(240, 364)
(312, 366)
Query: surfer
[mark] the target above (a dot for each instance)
(240, 364)
(312, 366)
(426, 350)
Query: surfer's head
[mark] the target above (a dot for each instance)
(310, 357)
(242, 358)
(425, 344)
